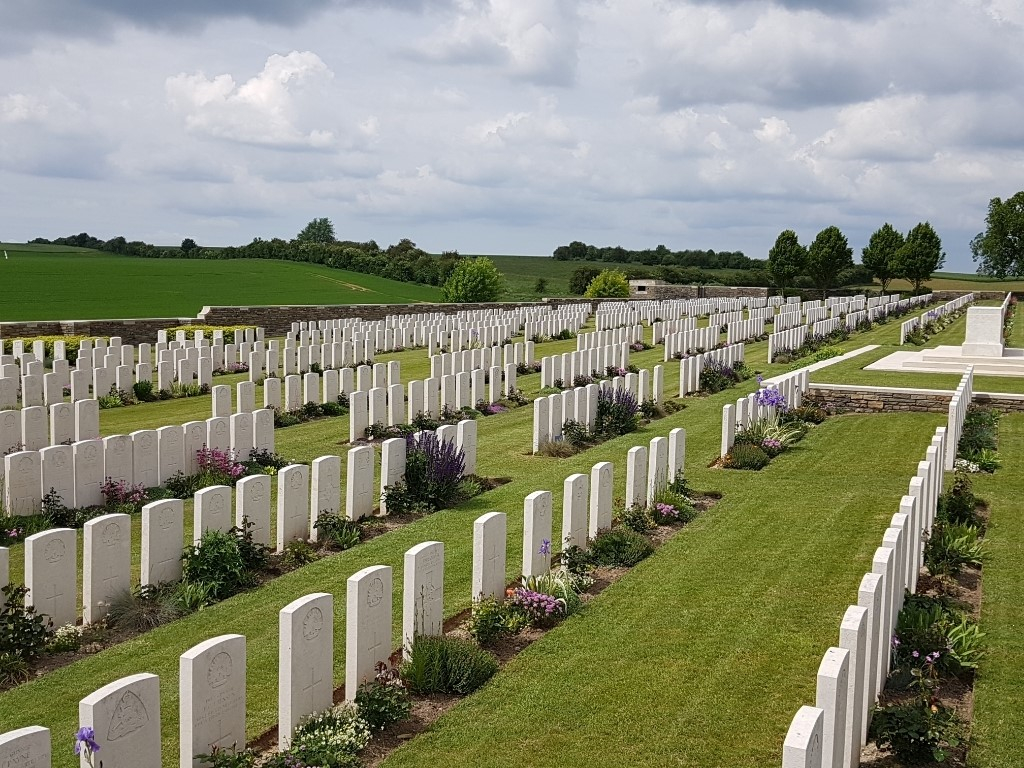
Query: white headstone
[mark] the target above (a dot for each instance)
(292, 504)
(218, 434)
(163, 528)
(803, 745)
(489, 551)
(392, 466)
(305, 661)
(88, 459)
(537, 533)
(126, 718)
(51, 574)
(832, 694)
(145, 458)
(423, 592)
(636, 477)
(359, 483)
(601, 497)
(195, 440)
(211, 697)
(325, 491)
(221, 401)
(252, 507)
(106, 563)
(358, 415)
(657, 467)
(58, 470)
(676, 454)
(574, 511)
(23, 479)
(466, 440)
(368, 618)
(211, 511)
(25, 748)
(853, 633)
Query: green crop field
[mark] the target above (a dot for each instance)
(61, 283)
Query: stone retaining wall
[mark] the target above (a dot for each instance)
(843, 398)
(276, 319)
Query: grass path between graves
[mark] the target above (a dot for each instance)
(1017, 337)
(702, 654)
(998, 714)
(699, 657)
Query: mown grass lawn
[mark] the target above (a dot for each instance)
(82, 284)
(998, 710)
(699, 657)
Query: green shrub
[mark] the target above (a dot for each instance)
(182, 486)
(23, 632)
(143, 391)
(337, 532)
(442, 664)
(226, 563)
(619, 547)
(979, 432)
(958, 504)
(808, 413)
(746, 456)
(382, 703)
(917, 731)
(298, 552)
(637, 518)
(491, 620)
(951, 547)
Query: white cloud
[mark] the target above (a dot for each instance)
(532, 40)
(263, 110)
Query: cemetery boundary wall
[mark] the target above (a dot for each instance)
(846, 398)
(277, 320)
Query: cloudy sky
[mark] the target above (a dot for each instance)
(509, 126)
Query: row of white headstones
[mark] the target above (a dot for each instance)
(303, 494)
(125, 714)
(907, 327)
(146, 457)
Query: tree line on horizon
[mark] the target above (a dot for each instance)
(314, 244)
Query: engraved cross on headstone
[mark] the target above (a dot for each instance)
(315, 679)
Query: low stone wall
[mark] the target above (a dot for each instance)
(276, 319)
(669, 292)
(845, 398)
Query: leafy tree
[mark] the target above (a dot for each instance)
(609, 284)
(472, 280)
(541, 285)
(580, 279)
(999, 250)
(879, 255)
(188, 245)
(786, 260)
(920, 256)
(827, 258)
(317, 231)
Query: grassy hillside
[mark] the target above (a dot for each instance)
(53, 282)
